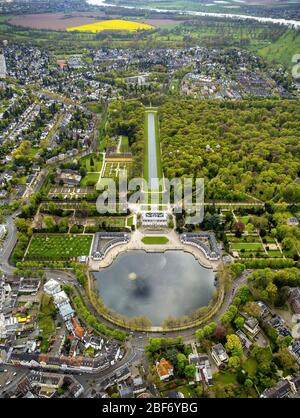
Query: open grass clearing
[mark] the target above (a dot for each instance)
(250, 366)
(92, 163)
(247, 246)
(90, 179)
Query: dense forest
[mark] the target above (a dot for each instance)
(127, 118)
(239, 147)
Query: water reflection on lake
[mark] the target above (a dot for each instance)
(155, 285)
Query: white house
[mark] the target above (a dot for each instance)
(60, 298)
(51, 287)
(219, 354)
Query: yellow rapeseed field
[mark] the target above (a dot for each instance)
(112, 25)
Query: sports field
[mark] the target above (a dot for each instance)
(125, 25)
(58, 247)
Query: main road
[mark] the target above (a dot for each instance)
(9, 243)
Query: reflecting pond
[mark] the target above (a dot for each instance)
(155, 285)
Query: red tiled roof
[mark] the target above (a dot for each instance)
(164, 367)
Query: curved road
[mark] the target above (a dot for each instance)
(9, 243)
(142, 336)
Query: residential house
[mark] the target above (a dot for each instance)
(164, 369)
(295, 383)
(125, 390)
(281, 390)
(79, 331)
(60, 298)
(29, 285)
(294, 299)
(219, 355)
(246, 343)
(122, 374)
(278, 323)
(263, 309)
(292, 221)
(294, 349)
(251, 326)
(138, 385)
(173, 394)
(8, 326)
(51, 287)
(203, 368)
(95, 342)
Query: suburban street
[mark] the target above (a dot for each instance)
(8, 245)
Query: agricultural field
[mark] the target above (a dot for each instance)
(123, 25)
(58, 247)
(55, 21)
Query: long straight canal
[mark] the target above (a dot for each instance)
(153, 181)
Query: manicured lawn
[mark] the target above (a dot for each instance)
(274, 253)
(244, 219)
(254, 246)
(130, 221)
(250, 366)
(124, 144)
(90, 179)
(58, 247)
(155, 240)
(270, 240)
(243, 238)
(187, 391)
(225, 378)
